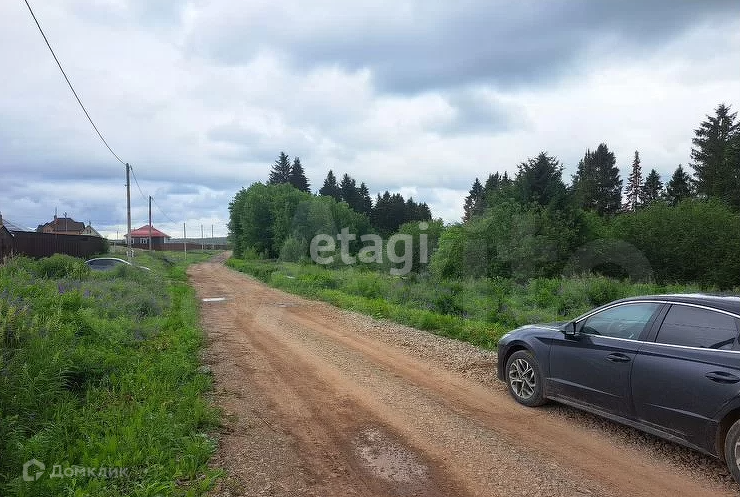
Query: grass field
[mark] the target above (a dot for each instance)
(479, 310)
(100, 380)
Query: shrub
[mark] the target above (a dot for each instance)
(62, 266)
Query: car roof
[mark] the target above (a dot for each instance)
(728, 303)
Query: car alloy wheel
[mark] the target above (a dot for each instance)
(522, 378)
(732, 450)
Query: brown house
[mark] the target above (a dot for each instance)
(67, 226)
(140, 237)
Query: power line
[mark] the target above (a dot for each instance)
(137, 183)
(70, 84)
(147, 198)
(162, 212)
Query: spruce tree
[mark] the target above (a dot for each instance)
(652, 190)
(297, 177)
(597, 184)
(473, 201)
(540, 181)
(331, 188)
(350, 192)
(366, 202)
(280, 172)
(634, 185)
(715, 156)
(492, 183)
(679, 187)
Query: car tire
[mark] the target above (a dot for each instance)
(524, 380)
(732, 450)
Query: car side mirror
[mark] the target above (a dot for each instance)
(570, 330)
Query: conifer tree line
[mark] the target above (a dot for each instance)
(687, 226)
(597, 187)
(387, 213)
(532, 224)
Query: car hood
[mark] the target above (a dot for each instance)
(547, 326)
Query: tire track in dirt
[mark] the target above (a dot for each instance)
(314, 407)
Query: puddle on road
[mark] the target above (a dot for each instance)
(285, 304)
(389, 460)
(214, 299)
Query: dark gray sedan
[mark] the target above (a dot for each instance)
(665, 364)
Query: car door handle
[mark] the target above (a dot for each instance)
(722, 377)
(617, 357)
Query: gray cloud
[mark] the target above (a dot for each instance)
(415, 46)
(419, 96)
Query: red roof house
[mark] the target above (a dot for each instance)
(140, 237)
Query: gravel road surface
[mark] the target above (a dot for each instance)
(324, 402)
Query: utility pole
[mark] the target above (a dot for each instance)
(213, 242)
(184, 241)
(128, 211)
(150, 223)
(202, 242)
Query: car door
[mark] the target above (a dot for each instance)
(682, 379)
(593, 367)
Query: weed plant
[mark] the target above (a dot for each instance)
(101, 369)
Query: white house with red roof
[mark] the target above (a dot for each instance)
(140, 237)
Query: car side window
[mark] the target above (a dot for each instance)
(695, 327)
(623, 321)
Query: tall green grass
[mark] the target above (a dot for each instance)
(476, 310)
(102, 370)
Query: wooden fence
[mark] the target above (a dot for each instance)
(38, 245)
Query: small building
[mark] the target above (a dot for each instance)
(67, 226)
(140, 237)
(6, 240)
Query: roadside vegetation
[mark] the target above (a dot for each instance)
(529, 248)
(476, 310)
(101, 370)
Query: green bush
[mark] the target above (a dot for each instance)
(61, 266)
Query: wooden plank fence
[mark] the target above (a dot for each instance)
(37, 245)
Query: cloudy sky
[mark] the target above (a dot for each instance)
(417, 96)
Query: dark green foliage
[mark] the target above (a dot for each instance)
(236, 225)
(331, 188)
(633, 190)
(511, 240)
(596, 184)
(679, 188)
(391, 211)
(492, 183)
(696, 241)
(652, 190)
(474, 202)
(426, 232)
(539, 181)
(716, 156)
(351, 193)
(268, 216)
(281, 169)
(297, 176)
(366, 202)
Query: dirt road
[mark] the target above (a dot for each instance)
(324, 402)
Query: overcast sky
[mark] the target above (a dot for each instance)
(412, 96)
